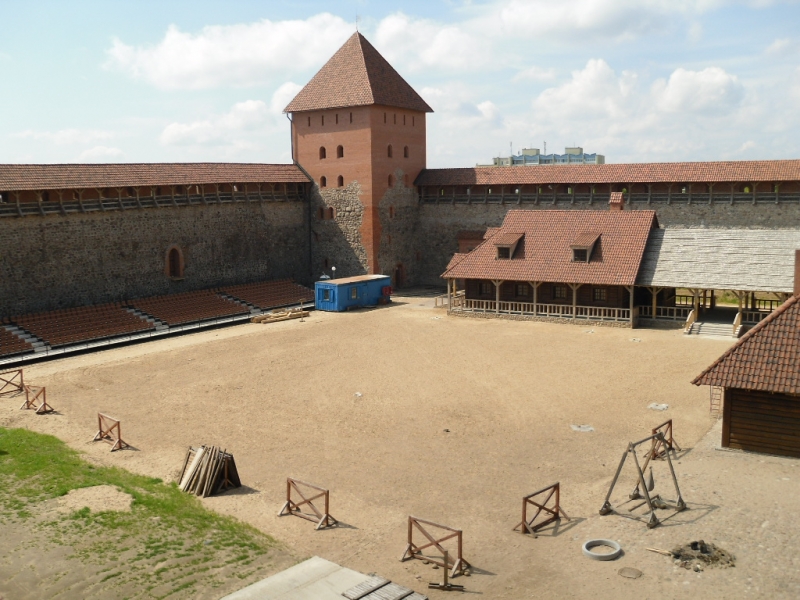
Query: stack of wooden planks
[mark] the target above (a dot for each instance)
(283, 314)
(208, 471)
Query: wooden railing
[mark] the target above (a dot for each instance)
(600, 313)
(669, 313)
(682, 300)
(455, 299)
(752, 317)
(737, 323)
(768, 305)
(690, 321)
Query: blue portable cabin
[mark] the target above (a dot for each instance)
(337, 295)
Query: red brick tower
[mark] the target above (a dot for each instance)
(359, 120)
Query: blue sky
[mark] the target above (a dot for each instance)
(635, 80)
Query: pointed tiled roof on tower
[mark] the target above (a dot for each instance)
(357, 75)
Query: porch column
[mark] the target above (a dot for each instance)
(654, 291)
(497, 283)
(574, 287)
(449, 295)
(535, 285)
(630, 289)
(739, 302)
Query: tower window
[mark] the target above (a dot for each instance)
(331, 213)
(340, 181)
(351, 117)
(337, 118)
(412, 120)
(323, 181)
(405, 151)
(404, 119)
(174, 266)
(391, 212)
(389, 151)
(384, 118)
(391, 180)
(309, 121)
(395, 118)
(322, 152)
(339, 151)
(323, 120)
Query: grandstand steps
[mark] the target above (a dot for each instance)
(39, 345)
(159, 325)
(254, 310)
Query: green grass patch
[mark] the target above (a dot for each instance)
(167, 535)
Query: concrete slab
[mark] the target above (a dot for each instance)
(313, 579)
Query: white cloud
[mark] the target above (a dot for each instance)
(241, 55)
(615, 19)
(283, 95)
(229, 128)
(65, 137)
(99, 154)
(535, 74)
(425, 44)
(711, 91)
(593, 92)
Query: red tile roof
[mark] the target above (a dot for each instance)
(544, 253)
(766, 358)
(357, 75)
(52, 177)
(684, 172)
(507, 238)
(585, 239)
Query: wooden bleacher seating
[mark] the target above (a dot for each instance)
(271, 294)
(178, 309)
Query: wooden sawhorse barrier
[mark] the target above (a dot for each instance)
(109, 430)
(34, 394)
(664, 444)
(415, 551)
(555, 511)
(12, 383)
(290, 507)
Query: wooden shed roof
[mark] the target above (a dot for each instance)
(722, 259)
(766, 358)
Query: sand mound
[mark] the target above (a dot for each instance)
(98, 498)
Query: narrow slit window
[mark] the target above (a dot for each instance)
(389, 151)
(340, 181)
(323, 181)
(340, 152)
(322, 152)
(405, 151)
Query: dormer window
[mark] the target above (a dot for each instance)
(583, 246)
(506, 244)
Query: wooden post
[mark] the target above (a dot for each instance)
(630, 303)
(449, 294)
(497, 283)
(535, 286)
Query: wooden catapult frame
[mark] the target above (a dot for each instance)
(11, 383)
(553, 513)
(34, 394)
(653, 502)
(661, 447)
(415, 551)
(291, 507)
(109, 430)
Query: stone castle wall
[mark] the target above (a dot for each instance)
(336, 238)
(70, 260)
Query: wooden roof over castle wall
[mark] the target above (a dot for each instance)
(680, 172)
(69, 176)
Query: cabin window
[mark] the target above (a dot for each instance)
(326, 295)
(405, 151)
(747, 189)
(580, 255)
(322, 152)
(340, 181)
(323, 181)
(503, 252)
(683, 190)
(354, 293)
(560, 292)
(339, 151)
(389, 151)
(600, 294)
(523, 289)
(485, 288)
(569, 190)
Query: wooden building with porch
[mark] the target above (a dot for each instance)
(561, 265)
(760, 381)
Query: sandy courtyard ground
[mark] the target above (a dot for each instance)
(403, 410)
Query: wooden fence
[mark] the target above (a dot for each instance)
(552, 513)
(413, 550)
(12, 383)
(322, 518)
(110, 430)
